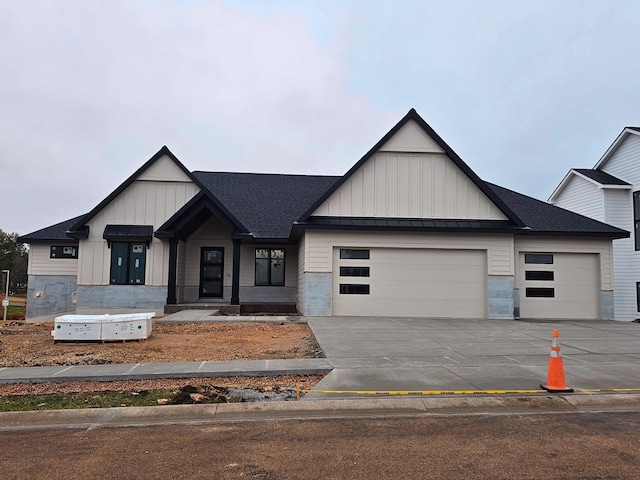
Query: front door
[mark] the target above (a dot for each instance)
(211, 271)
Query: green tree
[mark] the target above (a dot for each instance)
(13, 257)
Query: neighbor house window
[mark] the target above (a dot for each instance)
(638, 295)
(636, 219)
(64, 251)
(270, 266)
(128, 263)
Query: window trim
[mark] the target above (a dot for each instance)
(269, 260)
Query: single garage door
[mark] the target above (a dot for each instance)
(559, 285)
(409, 282)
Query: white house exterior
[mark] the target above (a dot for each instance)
(610, 193)
(409, 230)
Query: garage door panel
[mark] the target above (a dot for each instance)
(576, 288)
(416, 282)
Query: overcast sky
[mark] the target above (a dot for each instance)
(90, 90)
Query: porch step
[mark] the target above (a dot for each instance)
(222, 308)
(243, 309)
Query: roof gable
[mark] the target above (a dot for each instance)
(163, 165)
(626, 132)
(412, 173)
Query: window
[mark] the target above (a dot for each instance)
(354, 271)
(539, 275)
(128, 263)
(540, 292)
(66, 251)
(638, 295)
(269, 266)
(353, 289)
(636, 219)
(539, 258)
(351, 254)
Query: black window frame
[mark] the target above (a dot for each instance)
(128, 278)
(636, 220)
(355, 271)
(542, 275)
(270, 262)
(355, 254)
(58, 251)
(538, 258)
(540, 292)
(638, 296)
(355, 289)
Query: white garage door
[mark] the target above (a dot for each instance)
(559, 285)
(409, 282)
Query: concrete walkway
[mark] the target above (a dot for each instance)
(398, 354)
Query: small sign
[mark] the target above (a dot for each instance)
(5, 303)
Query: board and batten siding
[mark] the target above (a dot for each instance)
(409, 185)
(583, 197)
(40, 263)
(319, 245)
(623, 163)
(602, 247)
(142, 203)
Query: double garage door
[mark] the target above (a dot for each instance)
(409, 282)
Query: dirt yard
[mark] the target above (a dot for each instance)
(29, 345)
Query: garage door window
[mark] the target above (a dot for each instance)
(538, 258)
(353, 289)
(539, 275)
(354, 271)
(351, 254)
(540, 292)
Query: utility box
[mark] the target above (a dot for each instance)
(128, 326)
(73, 328)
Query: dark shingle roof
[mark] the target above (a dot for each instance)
(544, 218)
(53, 233)
(266, 204)
(601, 177)
(637, 129)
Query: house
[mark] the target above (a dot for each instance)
(610, 192)
(409, 230)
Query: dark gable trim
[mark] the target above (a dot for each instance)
(195, 210)
(413, 115)
(77, 231)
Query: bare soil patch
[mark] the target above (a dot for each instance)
(30, 345)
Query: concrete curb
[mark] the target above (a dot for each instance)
(89, 419)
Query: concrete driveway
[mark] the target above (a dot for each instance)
(400, 354)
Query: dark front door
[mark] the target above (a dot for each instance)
(211, 271)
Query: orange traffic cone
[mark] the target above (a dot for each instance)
(555, 377)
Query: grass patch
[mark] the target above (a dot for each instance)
(57, 401)
(14, 312)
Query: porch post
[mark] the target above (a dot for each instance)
(235, 280)
(173, 268)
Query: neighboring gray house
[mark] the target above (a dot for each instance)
(409, 230)
(610, 192)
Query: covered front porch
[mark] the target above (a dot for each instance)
(214, 262)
